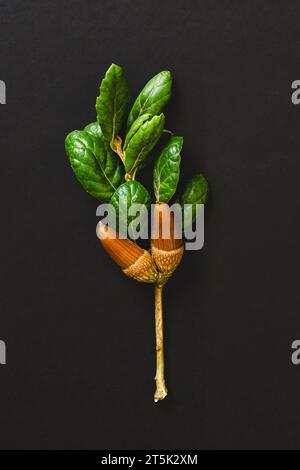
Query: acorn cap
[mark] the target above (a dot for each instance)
(134, 261)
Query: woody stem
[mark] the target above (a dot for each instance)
(161, 389)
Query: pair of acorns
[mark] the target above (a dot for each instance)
(156, 265)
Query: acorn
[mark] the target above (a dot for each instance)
(134, 261)
(167, 248)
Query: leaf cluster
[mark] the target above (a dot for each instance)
(107, 154)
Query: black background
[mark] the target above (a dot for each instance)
(79, 335)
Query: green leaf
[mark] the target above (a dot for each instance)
(112, 101)
(129, 193)
(167, 170)
(196, 192)
(142, 142)
(95, 166)
(94, 129)
(152, 99)
(135, 127)
(109, 164)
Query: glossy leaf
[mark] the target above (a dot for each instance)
(135, 127)
(95, 166)
(196, 192)
(152, 99)
(167, 170)
(142, 142)
(110, 165)
(112, 101)
(129, 193)
(94, 129)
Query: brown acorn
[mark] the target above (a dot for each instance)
(167, 248)
(134, 261)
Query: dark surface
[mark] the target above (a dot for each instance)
(79, 335)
